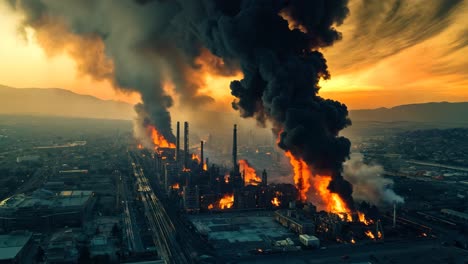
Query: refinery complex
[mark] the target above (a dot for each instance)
(240, 213)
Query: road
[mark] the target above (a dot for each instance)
(131, 229)
(432, 164)
(388, 252)
(163, 231)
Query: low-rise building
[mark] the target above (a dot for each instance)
(15, 246)
(45, 209)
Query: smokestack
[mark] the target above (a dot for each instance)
(201, 155)
(264, 178)
(394, 214)
(186, 142)
(234, 149)
(177, 154)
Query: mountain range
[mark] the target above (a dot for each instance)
(61, 102)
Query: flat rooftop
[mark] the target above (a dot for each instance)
(66, 199)
(11, 244)
(240, 232)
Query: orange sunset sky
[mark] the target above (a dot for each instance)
(412, 56)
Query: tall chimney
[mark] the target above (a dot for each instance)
(264, 178)
(201, 155)
(177, 154)
(186, 147)
(234, 149)
(394, 214)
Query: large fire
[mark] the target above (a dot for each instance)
(159, 140)
(227, 201)
(250, 175)
(304, 180)
(302, 175)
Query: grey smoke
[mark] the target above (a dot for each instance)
(368, 182)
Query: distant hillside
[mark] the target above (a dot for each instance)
(428, 112)
(60, 102)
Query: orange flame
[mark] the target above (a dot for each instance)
(227, 201)
(363, 219)
(302, 175)
(304, 179)
(226, 178)
(250, 175)
(205, 166)
(369, 234)
(276, 202)
(210, 206)
(195, 157)
(140, 146)
(159, 140)
(176, 186)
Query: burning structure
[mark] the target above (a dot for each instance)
(272, 48)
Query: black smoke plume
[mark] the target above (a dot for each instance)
(149, 41)
(282, 68)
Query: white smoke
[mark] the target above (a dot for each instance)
(368, 182)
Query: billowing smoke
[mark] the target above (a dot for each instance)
(275, 43)
(282, 68)
(369, 183)
(137, 45)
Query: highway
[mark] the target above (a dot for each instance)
(163, 231)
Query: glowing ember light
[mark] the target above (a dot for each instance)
(159, 140)
(363, 219)
(276, 202)
(205, 166)
(176, 186)
(226, 178)
(353, 241)
(250, 175)
(379, 235)
(227, 201)
(195, 157)
(210, 206)
(369, 234)
(140, 146)
(186, 170)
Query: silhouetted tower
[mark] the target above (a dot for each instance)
(264, 178)
(186, 147)
(177, 153)
(201, 155)
(234, 150)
